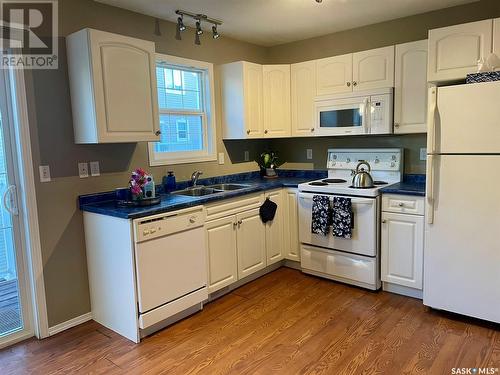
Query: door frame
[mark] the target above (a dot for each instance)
(28, 211)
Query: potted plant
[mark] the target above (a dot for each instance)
(268, 162)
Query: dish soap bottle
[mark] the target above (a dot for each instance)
(149, 187)
(169, 182)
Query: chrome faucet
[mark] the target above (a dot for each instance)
(195, 176)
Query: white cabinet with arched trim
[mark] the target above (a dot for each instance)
(455, 50)
(373, 69)
(113, 87)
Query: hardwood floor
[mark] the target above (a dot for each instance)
(285, 322)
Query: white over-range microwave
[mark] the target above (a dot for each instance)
(363, 112)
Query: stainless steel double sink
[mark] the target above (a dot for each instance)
(200, 191)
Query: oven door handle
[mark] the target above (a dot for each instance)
(309, 196)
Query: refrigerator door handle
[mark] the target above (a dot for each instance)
(430, 189)
(431, 120)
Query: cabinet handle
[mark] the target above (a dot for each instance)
(401, 204)
(235, 224)
(354, 83)
(240, 222)
(158, 132)
(396, 125)
(248, 131)
(348, 84)
(384, 221)
(265, 131)
(312, 129)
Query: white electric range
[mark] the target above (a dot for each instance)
(356, 260)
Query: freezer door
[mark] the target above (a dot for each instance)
(462, 245)
(466, 119)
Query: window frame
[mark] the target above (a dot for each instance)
(209, 151)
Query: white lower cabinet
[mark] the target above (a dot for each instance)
(222, 260)
(240, 244)
(402, 245)
(251, 243)
(291, 242)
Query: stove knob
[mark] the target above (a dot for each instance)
(348, 160)
(392, 164)
(393, 157)
(334, 157)
(377, 161)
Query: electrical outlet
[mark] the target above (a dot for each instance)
(44, 173)
(221, 158)
(309, 153)
(423, 153)
(83, 170)
(94, 169)
(247, 156)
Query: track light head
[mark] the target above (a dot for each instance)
(197, 39)
(215, 34)
(180, 24)
(199, 31)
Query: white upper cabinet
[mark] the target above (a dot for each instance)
(303, 92)
(373, 69)
(496, 36)
(241, 85)
(276, 95)
(455, 50)
(410, 88)
(113, 87)
(334, 75)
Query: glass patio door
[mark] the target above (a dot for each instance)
(14, 305)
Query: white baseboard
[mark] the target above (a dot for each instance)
(70, 323)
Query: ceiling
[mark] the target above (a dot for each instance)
(272, 22)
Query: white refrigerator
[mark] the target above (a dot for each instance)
(462, 237)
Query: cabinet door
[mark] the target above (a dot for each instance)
(496, 36)
(402, 249)
(222, 258)
(276, 95)
(455, 50)
(124, 88)
(275, 229)
(373, 69)
(334, 75)
(251, 243)
(292, 250)
(410, 88)
(253, 100)
(303, 91)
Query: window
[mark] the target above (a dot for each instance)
(187, 122)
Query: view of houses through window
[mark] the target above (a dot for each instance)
(181, 103)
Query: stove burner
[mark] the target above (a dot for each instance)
(380, 183)
(318, 183)
(334, 180)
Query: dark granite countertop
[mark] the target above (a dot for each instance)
(106, 203)
(411, 185)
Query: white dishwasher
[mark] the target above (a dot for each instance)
(171, 268)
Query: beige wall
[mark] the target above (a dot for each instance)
(63, 245)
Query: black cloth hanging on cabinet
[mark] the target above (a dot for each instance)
(268, 210)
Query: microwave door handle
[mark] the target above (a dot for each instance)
(366, 120)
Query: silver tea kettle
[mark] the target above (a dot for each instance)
(362, 178)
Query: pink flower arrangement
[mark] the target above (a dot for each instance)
(137, 182)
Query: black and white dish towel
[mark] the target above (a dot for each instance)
(320, 210)
(342, 217)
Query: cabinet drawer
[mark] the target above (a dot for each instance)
(405, 204)
(234, 206)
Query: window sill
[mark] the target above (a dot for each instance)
(185, 160)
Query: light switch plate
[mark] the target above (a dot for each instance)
(95, 169)
(221, 158)
(83, 170)
(423, 153)
(247, 156)
(44, 173)
(309, 153)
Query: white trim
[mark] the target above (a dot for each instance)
(209, 152)
(14, 338)
(70, 323)
(28, 202)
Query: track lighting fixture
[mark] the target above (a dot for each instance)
(215, 34)
(199, 18)
(199, 31)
